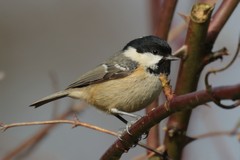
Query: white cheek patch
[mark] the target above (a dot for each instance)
(144, 59)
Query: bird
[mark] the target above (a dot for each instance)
(126, 82)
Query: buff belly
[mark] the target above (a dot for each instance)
(127, 94)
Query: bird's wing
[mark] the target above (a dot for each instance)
(100, 74)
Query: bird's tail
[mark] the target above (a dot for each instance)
(50, 98)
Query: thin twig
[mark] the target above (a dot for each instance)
(214, 71)
(31, 142)
(181, 52)
(215, 56)
(178, 29)
(153, 151)
(232, 132)
(220, 133)
(75, 122)
(161, 149)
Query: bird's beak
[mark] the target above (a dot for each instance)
(172, 58)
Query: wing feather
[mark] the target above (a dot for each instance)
(100, 74)
(109, 70)
(89, 77)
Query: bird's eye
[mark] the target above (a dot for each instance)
(155, 51)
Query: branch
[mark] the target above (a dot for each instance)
(188, 75)
(181, 52)
(219, 19)
(200, 39)
(209, 87)
(233, 132)
(31, 142)
(179, 103)
(162, 14)
(178, 29)
(74, 123)
(215, 55)
(161, 149)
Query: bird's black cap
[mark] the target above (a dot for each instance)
(152, 44)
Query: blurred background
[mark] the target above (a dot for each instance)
(68, 38)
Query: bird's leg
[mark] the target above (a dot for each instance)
(115, 111)
(121, 118)
(118, 114)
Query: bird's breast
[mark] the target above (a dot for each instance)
(129, 94)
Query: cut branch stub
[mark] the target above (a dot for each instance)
(201, 12)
